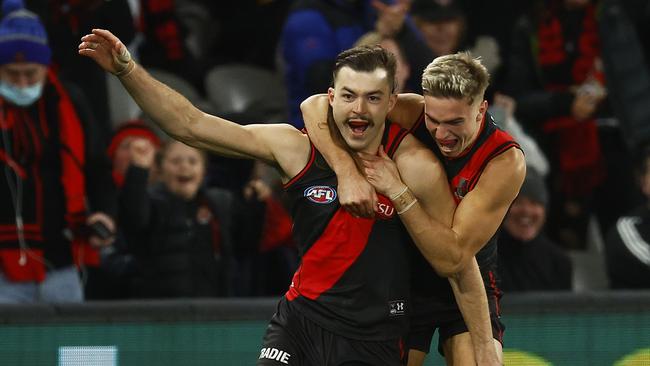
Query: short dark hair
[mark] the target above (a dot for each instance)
(367, 59)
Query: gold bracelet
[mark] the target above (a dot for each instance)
(403, 201)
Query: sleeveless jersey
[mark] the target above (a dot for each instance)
(463, 173)
(353, 278)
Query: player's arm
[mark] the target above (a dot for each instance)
(407, 110)
(450, 247)
(355, 194)
(477, 216)
(180, 119)
(425, 176)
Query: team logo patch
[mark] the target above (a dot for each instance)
(461, 188)
(320, 194)
(397, 307)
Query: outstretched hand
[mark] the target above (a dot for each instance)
(381, 172)
(107, 51)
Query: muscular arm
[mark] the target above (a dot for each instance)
(425, 176)
(280, 145)
(476, 218)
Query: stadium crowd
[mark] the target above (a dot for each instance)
(97, 203)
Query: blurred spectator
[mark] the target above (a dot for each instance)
(502, 110)
(66, 21)
(234, 19)
(265, 252)
(403, 70)
(317, 30)
(528, 260)
(164, 45)
(178, 231)
(49, 171)
(119, 150)
(557, 76)
(627, 243)
(443, 24)
(113, 277)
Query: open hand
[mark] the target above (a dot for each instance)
(107, 51)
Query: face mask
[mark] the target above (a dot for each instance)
(21, 96)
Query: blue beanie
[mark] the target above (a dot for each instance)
(22, 35)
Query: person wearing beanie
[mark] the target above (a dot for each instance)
(528, 260)
(44, 225)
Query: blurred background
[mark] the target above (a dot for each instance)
(115, 241)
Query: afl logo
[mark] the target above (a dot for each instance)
(320, 194)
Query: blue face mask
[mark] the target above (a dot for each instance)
(21, 96)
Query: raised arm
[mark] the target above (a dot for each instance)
(274, 144)
(356, 195)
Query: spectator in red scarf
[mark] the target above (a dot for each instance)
(45, 221)
(557, 76)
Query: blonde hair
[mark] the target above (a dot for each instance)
(456, 76)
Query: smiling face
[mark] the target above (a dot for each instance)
(182, 169)
(453, 123)
(525, 219)
(360, 102)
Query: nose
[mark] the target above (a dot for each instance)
(360, 106)
(441, 132)
(22, 80)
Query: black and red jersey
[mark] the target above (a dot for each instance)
(463, 173)
(353, 278)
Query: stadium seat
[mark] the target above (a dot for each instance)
(237, 90)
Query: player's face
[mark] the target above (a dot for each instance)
(360, 102)
(525, 219)
(453, 123)
(182, 170)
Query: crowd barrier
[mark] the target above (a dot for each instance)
(605, 328)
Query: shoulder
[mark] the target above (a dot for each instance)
(290, 147)
(417, 164)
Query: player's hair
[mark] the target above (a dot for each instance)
(456, 76)
(367, 59)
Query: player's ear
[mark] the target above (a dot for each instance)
(330, 95)
(482, 109)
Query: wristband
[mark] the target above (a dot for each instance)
(394, 197)
(125, 58)
(403, 201)
(127, 70)
(415, 200)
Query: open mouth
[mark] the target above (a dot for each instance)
(448, 144)
(184, 179)
(358, 126)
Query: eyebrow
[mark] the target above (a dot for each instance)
(459, 119)
(345, 88)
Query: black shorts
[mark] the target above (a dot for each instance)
(292, 339)
(428, 315)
